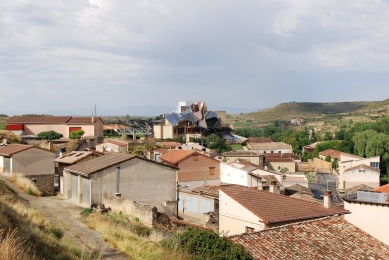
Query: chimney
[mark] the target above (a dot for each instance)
(117, 194)
(265, 167)
(328, 199)
(273, 187)
(203, 150)
(92, 120)
(261, 182)
(5, 141)
(62, 152)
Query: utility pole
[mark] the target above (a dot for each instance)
(95, 109)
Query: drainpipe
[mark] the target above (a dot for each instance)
(117, 194)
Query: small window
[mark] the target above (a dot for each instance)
(249, 230)
(279, 167)
(212, 170)
(375, 164)
(279, 151)
(264, 151)
(195, 157)
(271, 152)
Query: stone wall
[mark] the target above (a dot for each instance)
(44, 182)
(305, 166)
(145, 212)
(322, 165)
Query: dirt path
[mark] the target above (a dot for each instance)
(66, 214)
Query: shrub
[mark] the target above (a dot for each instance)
(86, 212)
(49, 135)
(76, 134)
(25, 184)
(29, 191)
(206, 244)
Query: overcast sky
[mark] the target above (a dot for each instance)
(243, 56)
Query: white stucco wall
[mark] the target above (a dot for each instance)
(234, 218)
(348, 162)
(371, 218)
(356, 177)
(232, 175)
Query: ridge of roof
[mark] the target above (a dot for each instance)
(383, 188)
(362, 166)
(16, 148)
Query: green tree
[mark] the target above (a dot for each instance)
(215, 142)
(335, 164)
(328, 158)
(49, 135)
(284, 169)
(76, 134)
(327, 136)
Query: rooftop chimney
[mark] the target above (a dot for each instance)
(328, 199)
(62, 152)
(273, 187)
(261, 182)
(5, 141)
(92, 119)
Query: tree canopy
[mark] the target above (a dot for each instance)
(49, 135)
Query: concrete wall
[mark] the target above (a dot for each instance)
(234, 218)
(140, 181)
(371, 218)
(222, 118)
(158, 134)
(356, 177)
(275, 150)
(145, 212)
(168, 132)
(33, 161)
(34, 129)
(195, 184)
(232, 175)
(44, 182)
(198, 213)
(277, 166)
(305, 166)
(192, 170)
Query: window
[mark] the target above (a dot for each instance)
(195, 157)
(249, 230)
(375, 164)
(271, 151)
(212, 170)
(264, 151)
(279, 151)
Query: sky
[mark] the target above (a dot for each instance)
(142, 57)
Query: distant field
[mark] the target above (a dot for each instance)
(243, 124)
(2, 126)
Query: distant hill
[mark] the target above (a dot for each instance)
(286, 111)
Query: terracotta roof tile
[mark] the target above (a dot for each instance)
(259, 140)
(326, 238)
(105, 161)
(283, 155)
(14, 148)
(175, 156)
(241, 153)
(362, 166)
(279, 160)
(162, 151)
(169, 144)
(267, 146)
(384, 188)
(358, 188)
(297, 188)
(74, 157)
(38, 119)
(277, 208)
(83, 120)
(208, 190)
(335, 154)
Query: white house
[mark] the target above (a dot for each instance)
(370, 211)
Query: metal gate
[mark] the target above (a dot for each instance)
(191, 204)
(7, 165)
(205, 206)
(86, 191)
(75, 187)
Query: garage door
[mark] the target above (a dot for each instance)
(191, 204)
(86, 191)
(75, 187)
(7, 165)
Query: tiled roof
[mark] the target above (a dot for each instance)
(335, 154)
(99, 163)
(297, 188)
(38, 119)
(51, 120)
(259, 140)
(244, 165)
(161, 151)
(14, 148)
(282, 155)
(74, 157)
(276, 208)
(117, 143)
(279, 160)
(82, 120)
(362, 166)
(326, 238)
(241, 153)
(208, 190)
(384, 188)
(268, 146)
(306, 197)
(169, 144)
(175, 156)
(358, 188)
(269, 179)
(105, 161)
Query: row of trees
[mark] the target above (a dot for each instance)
(366, 139)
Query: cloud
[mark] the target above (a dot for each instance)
(246, 54)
